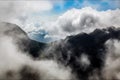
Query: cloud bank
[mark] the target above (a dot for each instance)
(30, 16)
(82, 20)
(22, 12)
(17, 64)
(83, 56)
(112, 66)
(19, 8)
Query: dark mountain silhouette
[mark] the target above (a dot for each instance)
(71, 50)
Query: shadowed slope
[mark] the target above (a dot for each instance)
(84, 53)
(21, 38)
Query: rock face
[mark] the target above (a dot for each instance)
(21, 38)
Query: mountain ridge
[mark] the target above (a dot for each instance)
(21, 38)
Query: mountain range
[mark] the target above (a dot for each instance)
(84, 53)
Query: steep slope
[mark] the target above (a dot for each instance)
(21, 38)
(84, 53)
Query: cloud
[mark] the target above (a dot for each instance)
(29, 13)
(23, 7)
(84, 55)
(112, 66)
(10, 58)
(82, 20)
(16, 64)
(19, 12)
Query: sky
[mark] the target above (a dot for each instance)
(50, 20)
(97, 4)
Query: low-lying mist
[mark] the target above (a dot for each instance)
(16, 64)
(85, 56)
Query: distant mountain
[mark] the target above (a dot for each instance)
(21, 38)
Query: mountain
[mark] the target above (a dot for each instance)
(21, 38)
(85, 53)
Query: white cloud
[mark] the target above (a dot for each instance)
(112, 66)
(25, 6)
(71, 22)
(10, 57)
(16, 65)
(19, 12)
(82, 20)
